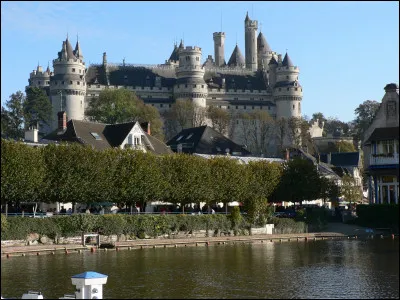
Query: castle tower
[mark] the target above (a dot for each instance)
(219, 48)
(287, 92)
(38, 78)
(250, 29)
(272, 65)
(190, 82)
(68, 85)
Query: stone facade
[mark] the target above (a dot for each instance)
(260, 81)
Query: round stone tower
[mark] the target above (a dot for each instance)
(219, 48)
(250, 31)
(68, 85)
(190, 82)
(40, 79)
(287, 92)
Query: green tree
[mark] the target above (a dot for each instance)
(120, 106)
(365, 114)
(37, 107)
(14, 116)
(320, 117)
(329, 189)
(349, 189)
(300, 181)
(341, 146)
(22, 172)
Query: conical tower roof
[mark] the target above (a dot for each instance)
(175, 54)
(237, 58)
(262, 44)
(70, 52)
(247, 17)
(78, 51)
(181, 45)
(273, 61)
(287, 62)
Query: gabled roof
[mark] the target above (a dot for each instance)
(205, 140)
(108, 135)
(273, 61)
(342, 159)
(385, 133)
(262, 44)
(237, 58)
(287, 62)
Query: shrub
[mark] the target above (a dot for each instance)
(286, 225)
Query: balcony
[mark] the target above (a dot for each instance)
(379, 159)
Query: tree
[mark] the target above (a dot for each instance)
(320, 117)
(329, 189)
(349, 189)
(220, 119)
(120, 106)
(37, 107)
(281, 131)
(365, 114)
(300, 181)
(294, 131)
(335, 126)
(341, 146)
(183, 114)
(13, 117)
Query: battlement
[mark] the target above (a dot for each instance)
(71, 60)
(287, 69)
(191, 49)
(218, 34)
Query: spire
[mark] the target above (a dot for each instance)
(262, 44)
(287, 62)
(247, 17)
(175, 53)
(181, 44)
(78, 51)
(237, 59)
(48, 68)
(70, 52)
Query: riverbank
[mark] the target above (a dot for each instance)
(333, 231)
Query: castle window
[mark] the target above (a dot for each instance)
(197, 59)
(293, 106)
(279, 89)
(214, 98)
(194, 85)
(55, 83)
(152, 104)
(62, 82)
(251, 98)
(260, 107)
(79, 83)
(287, 88)
(287, 77)
(70, 82)
(79, 71)
(38, 82)
(236, 98)
(84, 83)
(159, 88)
(295, 89)
(161, 105)
(98, 86)
(169, 105)
(228, 106)
(269, 107)
(73, 69)
(202, 85)
(252, 107)
(185, 85)
(237, 107)
(237, 121)
(187, 58)
(48, 82)
(244, 107)
(219, 106)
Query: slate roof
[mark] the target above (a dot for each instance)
(273, 61)
(175, 54)
(237, 58)
(287, 62)
(381, 134)
(262, 44)
(239, 82)
(342, 159)
(111, 136)
(70, 51)
(205, 140)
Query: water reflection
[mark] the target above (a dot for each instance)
(317, 269)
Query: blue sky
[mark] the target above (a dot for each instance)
(346, 51)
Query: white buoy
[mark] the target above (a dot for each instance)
(89, 285)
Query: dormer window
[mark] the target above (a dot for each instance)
(96, 136)
(189, 136)
(179, 138)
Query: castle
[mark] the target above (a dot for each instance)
(260, 80)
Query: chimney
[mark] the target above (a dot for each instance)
(62, 120)
(31, 135)
(146, 127)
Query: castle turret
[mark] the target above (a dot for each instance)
(219, 48)
(78, 51)
(250, 28)
(38, 78)
(272, 65)
(190, 82)
(68, 85)
(288, 93)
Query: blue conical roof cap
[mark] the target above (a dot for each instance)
(89, 275)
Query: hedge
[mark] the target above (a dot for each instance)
(135, 226)
(378, 216)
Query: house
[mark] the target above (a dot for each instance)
(105, 136)
(205, 140)
(381, 150)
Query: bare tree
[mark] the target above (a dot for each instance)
(220, 119)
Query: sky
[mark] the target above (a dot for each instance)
(346, 51)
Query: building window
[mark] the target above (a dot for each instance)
(136, 141)
(96, 136)
(287, 77)
(73, 69)
(287, 89)
(197, 59)
(244, 107)
(169, 105)
(185, 85)
(252, 107)
(214, 98)
(55, 83)
(269, 107)
(228, 106)
(161, 105)
(237, 107)
(38, 82)
(279, 89)
(293, 106)
(79, 71)
(79, 83)
(295, 89)
(236, 98)
(70, 82)
(48, 82)
(62, 82)
(202, 86)
(260, 107)
(98, 86)
(194, 85)
(251, 98)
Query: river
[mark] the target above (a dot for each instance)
(315, 269)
